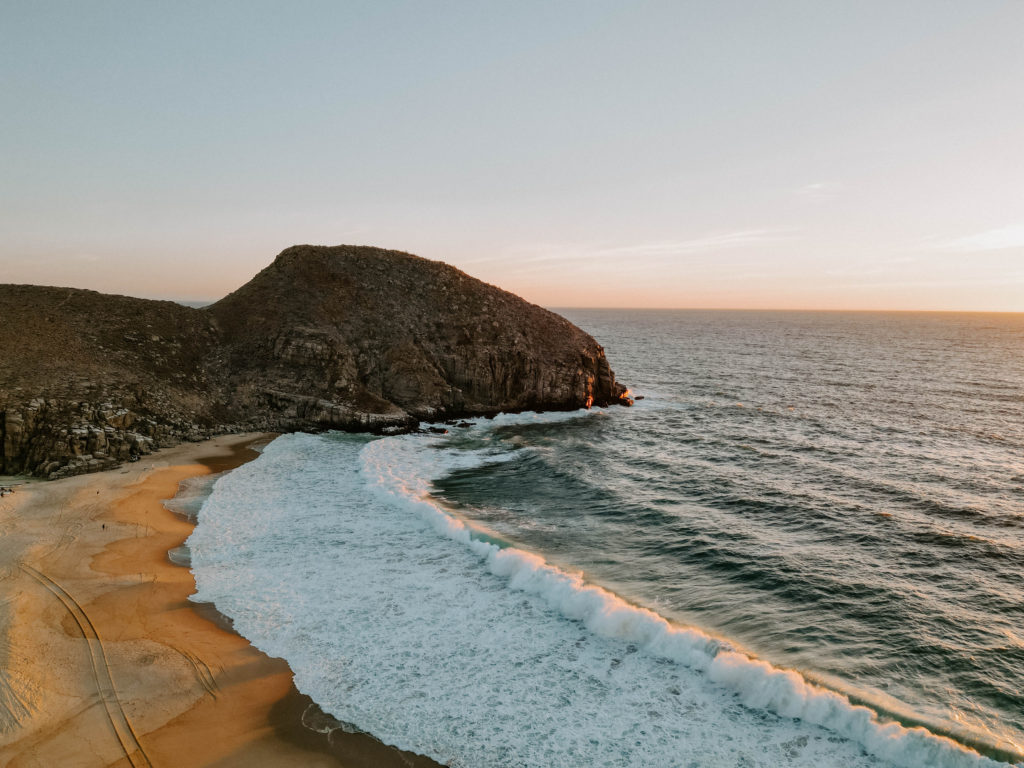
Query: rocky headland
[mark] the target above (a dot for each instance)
(346, 337)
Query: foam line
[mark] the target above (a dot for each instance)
(399, 471)
(192, 493)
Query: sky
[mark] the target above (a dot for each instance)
(810, 154)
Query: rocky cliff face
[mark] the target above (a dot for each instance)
(346, 337)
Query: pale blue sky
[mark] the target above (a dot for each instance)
(856, 154)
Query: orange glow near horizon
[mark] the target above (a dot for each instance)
(743, 276)
(994, 286)
(997, 289)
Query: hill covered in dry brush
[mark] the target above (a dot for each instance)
(346, 337)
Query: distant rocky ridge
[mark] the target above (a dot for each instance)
(346, 337)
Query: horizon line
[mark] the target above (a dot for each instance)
(197, 303)
(557, 307)
(799, 309)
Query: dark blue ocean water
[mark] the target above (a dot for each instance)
(842, 493)
(826, 497)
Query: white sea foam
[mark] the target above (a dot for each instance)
(324, 551)
(192, 493)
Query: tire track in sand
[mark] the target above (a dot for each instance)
(203, 673)
(101, 672)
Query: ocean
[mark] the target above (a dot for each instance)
(803, 547)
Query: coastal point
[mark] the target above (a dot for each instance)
(512, 385)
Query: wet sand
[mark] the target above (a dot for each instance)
(103, 659)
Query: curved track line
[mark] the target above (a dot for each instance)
(203, 673)
(101, 672)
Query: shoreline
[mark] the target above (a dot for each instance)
(105, 661)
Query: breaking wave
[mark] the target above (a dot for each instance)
(394, 468)
(325, 551)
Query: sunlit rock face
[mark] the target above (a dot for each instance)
(378, 330)
(342, 337)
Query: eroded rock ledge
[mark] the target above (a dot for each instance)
(346, 337)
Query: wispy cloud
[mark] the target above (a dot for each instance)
(744, 238)
(539, 255)
(820, 190)
(916, 283)
(885, 264)
(989, 240)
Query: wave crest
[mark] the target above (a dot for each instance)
(399, 471)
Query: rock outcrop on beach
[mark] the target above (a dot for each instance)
(344, 337)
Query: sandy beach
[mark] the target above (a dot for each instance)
(103, 659)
